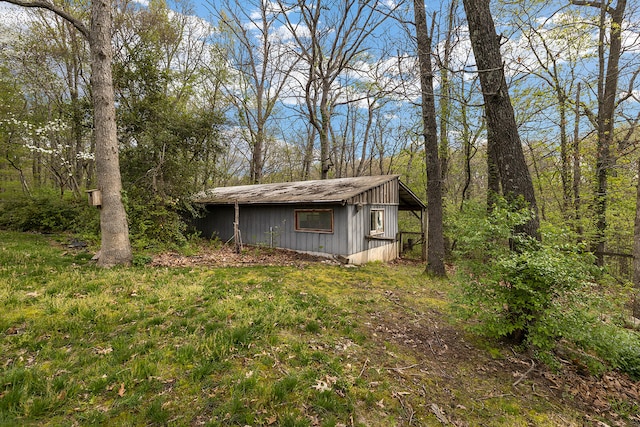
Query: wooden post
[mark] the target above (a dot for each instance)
(423, 229)
(236, 229)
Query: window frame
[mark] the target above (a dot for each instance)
(312, 230)
(373, 228)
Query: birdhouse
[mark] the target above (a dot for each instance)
(95, 197)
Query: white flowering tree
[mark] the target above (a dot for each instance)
(47, 143)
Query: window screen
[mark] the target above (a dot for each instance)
(377, 221)
(314, 220)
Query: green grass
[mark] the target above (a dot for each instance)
(285, 346)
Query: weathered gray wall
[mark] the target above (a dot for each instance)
(260, 224)
(359, 226)
(351, 225)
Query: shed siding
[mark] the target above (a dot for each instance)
(386, 193)
(360, 226)
(257, 221)
(218, 222)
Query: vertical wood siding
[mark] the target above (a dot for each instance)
(259, 224)
(361, 225)
(386, 193)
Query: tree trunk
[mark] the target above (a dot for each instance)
(577, 172)
(607, 91)
(503, 130)
(435, 230)
(115, 249)
(636, 253)
(493, 172)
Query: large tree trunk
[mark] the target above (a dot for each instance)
(636, 253)
(435, 230)
(514, 174)
(115, 249)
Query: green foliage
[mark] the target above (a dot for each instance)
(47, 212)
(542, 294)
(510, 292)
(155, 222)
(597, 343)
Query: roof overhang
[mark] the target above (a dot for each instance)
(408, 199)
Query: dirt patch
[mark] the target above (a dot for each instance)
(226, 256)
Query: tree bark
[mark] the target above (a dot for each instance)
(435, 229)
(607, 92)
(115, 248)
(577, 171)
(636, 253)
(514, 175)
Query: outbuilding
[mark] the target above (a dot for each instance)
(352, 219)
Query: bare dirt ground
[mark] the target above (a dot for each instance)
(226, 256)
(444, 350)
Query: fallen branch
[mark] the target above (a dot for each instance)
(533, 364)
(364, 366)
(439, 413)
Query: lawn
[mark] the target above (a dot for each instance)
(302, 344)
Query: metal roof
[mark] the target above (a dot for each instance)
(339, 190)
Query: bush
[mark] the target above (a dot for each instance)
(540, 295)
(510, 293)
(47, 212)
(156, 222)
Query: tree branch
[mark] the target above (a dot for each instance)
(44, 4)
(592, 3)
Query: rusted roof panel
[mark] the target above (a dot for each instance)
(339, 190)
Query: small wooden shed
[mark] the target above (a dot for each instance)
(352, 219)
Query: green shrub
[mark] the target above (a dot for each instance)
(543, 294)
(510, 293)
(155, 222)
(47, 212)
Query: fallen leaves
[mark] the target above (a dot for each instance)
(326, 384)
(225, 256)
(103, 351)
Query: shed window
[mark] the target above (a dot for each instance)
(377, 221)
(320, 220)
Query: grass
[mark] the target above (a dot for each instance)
(288, 346)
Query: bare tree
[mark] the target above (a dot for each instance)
(262, 63)
(435, 228)
(329, 36)
(115, 248)
(603, 119)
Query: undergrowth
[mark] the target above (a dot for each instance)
(543, 295)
